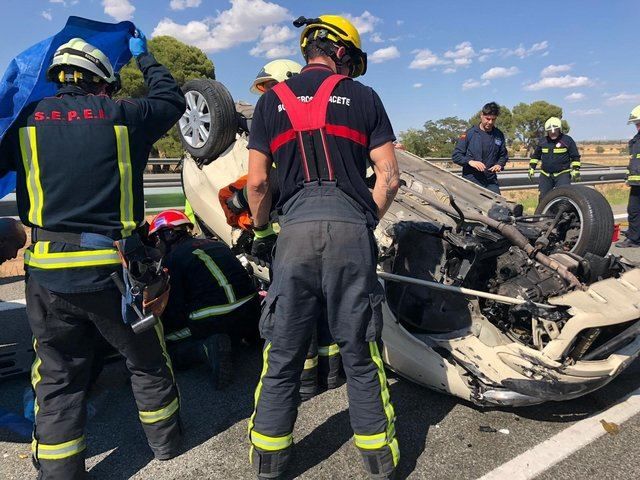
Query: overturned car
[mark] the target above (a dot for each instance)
(482, 302)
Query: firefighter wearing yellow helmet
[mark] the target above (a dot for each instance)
(321, 130)
(633, 180)
(272, 73)
(559, 157)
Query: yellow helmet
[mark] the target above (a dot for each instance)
(77, 53)
(277, 70)
(337, 30)
(554, 123)
(634, 117)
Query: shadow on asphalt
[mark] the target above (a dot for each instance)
(8, 280)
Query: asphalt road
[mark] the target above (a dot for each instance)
(439, 436)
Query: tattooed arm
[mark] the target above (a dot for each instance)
(385, 167)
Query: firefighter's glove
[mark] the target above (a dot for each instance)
(532, 172)
(138, 43)
(238, 202)
(263, 242)
(575, 175)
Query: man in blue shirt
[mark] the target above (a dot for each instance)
(482, 150)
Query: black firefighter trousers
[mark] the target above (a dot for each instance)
(549, 181)
(64, 330)
(324, 266)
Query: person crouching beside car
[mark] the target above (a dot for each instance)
(212, 301)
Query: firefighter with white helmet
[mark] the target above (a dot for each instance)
(559, 157)
(633, 180)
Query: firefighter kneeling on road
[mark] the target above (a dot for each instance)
(322, 130)
(80, 158)
(559, 156)
(212, 297)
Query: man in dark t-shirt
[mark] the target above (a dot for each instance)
(322, 130)
(482, 150)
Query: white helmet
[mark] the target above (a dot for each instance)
(278, 71)
(80, 54)
(634, 116)
(554, 123)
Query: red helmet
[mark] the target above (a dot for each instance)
(169, 219)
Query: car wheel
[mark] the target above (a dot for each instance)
(209, 123)
(590, 227)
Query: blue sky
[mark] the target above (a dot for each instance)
(428, 59)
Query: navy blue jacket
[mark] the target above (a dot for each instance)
(634, 163)
(470, 147)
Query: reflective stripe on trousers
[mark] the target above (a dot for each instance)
(43, 451)
(215, 310)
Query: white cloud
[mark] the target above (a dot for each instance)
(182, 4)
(566, 81)
(500, 72)
(588, 112)
(483, 58)
(463, 50)
(384, 54)
(424, 59)
(471, 83)
(273, 42)
(462, 62)
(46, 14)
(119, 9)
(65, 3)
(417, 85)
(243, 22)
(57, 1)
(554, 70)
(449, 70)
(365, 23)
(575, 97)
(399, 22)
(623, 98)
(376, 38)
(523, 52)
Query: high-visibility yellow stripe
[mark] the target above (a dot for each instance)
(310, 363)
(256, 395)
(58, 451)
(268, 443)
(179, 335)
(35, 375)
(167, 359)
(633, 178)
(217, 274)
(155, 416)
(560, 150)
(386, 402)
(40, 257)
(126, 180)
(555, 174)
(329, 350)
(545, 150)
(533, 162)
(576, 164)
(371, 442)
(215, 310)
(29, 150)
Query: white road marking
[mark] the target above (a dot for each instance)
(552, 451)
(12, 304)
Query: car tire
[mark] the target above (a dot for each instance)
(210, 106)
(595, 214)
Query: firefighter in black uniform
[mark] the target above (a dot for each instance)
(79, 157)
(212, 299)
(321, 130)
(633, 180)
(559, 156)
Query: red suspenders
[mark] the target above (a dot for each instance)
(310, 129)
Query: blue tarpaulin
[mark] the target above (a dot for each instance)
(25, 80)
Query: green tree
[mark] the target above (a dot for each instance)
(185, 63)
(529, 119)
(437, 138)
(504, 123)
(599, 149)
